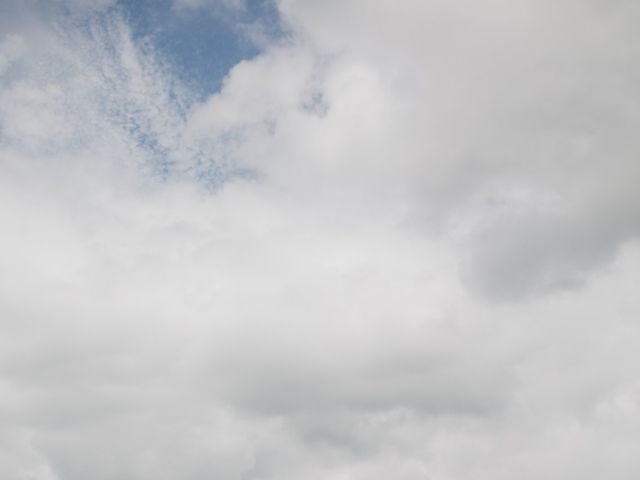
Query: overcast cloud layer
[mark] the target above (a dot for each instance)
(400, 242)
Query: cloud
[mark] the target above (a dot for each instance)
(401, 242)
(481, 101)
(11, 49)
(233, 4)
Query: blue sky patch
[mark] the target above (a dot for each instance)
(201, 44)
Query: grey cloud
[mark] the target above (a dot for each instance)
(533, 254)
(534, 96)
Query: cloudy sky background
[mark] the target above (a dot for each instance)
(320, 240)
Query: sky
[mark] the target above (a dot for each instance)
(337, 240)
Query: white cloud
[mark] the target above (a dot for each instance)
(426, 271)
(11, 48)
